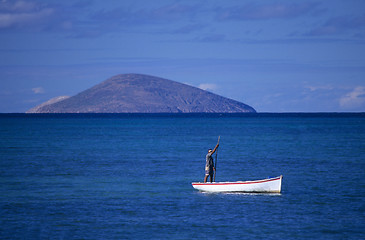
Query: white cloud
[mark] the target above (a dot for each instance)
(21, 13)
(20, 19)
(354, 99)
(316, 88)
(19, 6)
(38, 90)
(208, 86)
(255, 11)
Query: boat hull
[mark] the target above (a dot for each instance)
(269, 185)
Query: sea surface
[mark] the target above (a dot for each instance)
(128, 176)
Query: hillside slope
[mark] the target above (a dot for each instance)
(137, 93)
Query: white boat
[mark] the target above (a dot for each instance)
(269, 185)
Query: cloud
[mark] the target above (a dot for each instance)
(122, 18)
(317, 88)
(354, 99)
(170, 12)
(23, 19)
(212, 38)
(21, 14)
(80, 20)
(338, 25)
(18, 6)
(45, 16)
(38, 90)
(188, 29)
(254, 11)
(208, 86)
(165, 14)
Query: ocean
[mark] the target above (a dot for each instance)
(128, 176)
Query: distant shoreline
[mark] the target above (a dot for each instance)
(260, 114)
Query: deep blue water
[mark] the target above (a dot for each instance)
(129, 176)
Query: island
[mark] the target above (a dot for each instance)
(138, 93)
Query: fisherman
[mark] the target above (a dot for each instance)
(209, 165)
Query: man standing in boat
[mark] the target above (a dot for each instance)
(209, 165)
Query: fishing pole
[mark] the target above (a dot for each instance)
(216, 159)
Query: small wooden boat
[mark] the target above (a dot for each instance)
(269, 185)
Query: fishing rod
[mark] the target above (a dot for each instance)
(216, 159)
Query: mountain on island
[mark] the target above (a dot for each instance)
(36, 109)
(137, 93)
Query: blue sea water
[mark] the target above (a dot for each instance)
(121, 176)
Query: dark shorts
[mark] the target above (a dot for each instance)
(209, 171)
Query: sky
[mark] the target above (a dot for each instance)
(276, 56)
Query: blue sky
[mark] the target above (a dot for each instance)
(277, 56)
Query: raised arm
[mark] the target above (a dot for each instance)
(215, 149)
